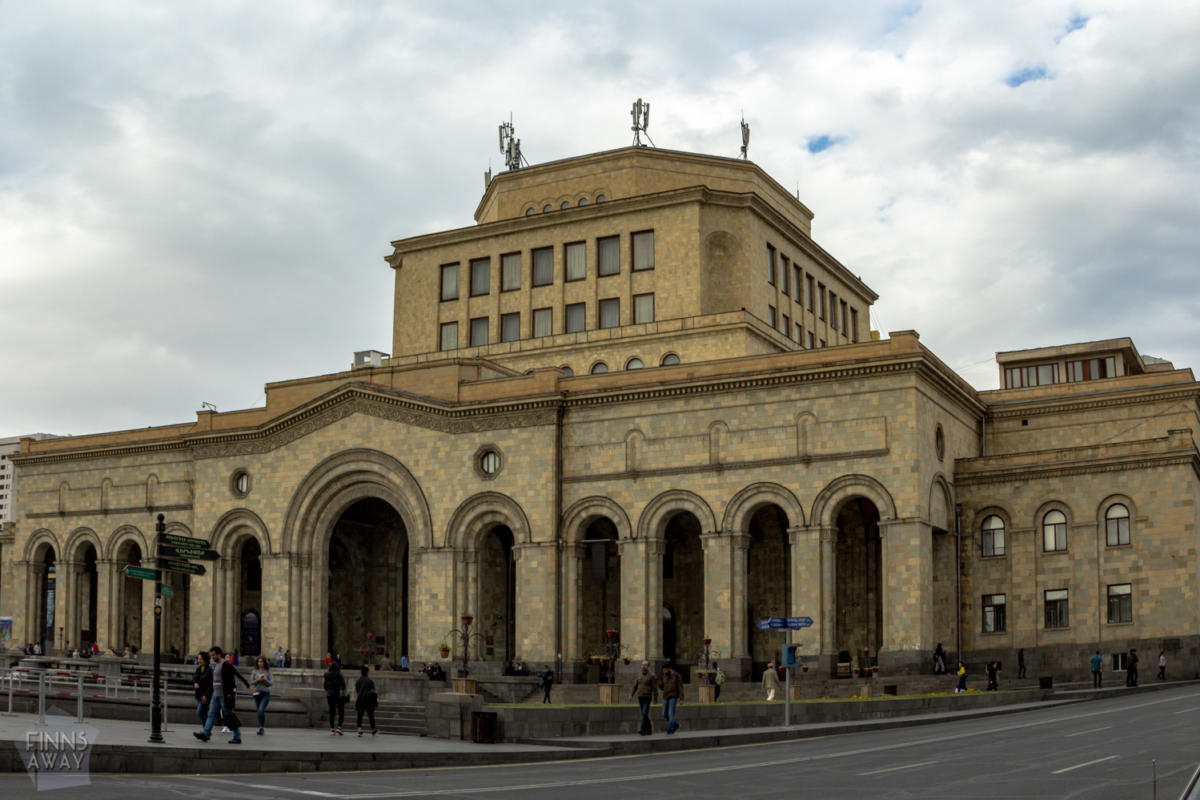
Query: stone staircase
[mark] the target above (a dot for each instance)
(406, 720)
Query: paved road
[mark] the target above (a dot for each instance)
(1096, 750)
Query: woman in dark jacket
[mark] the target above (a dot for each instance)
(365, 699)
(202, 683)
(335, 695)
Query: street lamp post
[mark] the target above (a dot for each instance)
(465, 634)
(156, 696)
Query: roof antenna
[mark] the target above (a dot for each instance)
(641, 121)
(745, 138)
(487, 176)
(510, 146)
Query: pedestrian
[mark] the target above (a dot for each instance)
(287, 659)
(672, 692)
(939, 660)
(202, 685)
(770, 681)
(278, 656)
(403, 663)
(993, 670)
(718, 680)
(1097, 665)
(335, 696)
(365, 699)
(961, 686)
(645, 689)
(1021, 663)
(1131, 668)
(547, 676)
(260, 690)
(223, 697)
(1162, 665)
(328, 658)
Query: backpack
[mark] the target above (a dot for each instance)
(719, 680)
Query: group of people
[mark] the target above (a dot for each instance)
(1131, 667)
(646, 689)
(215, 685)
(366, 698)
(282, 657)
(1096, 662)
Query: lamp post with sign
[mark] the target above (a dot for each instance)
(156, 697)
(787, 653)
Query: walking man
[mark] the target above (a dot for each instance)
(718, 680)
(1162, 665)
(645, 689)
(224, 692)
(1131, 668)
(1097, 663)
(547, 676)
(993, 669)
(672, 689)
(1021, 663)
(770, 681)
(202, 684)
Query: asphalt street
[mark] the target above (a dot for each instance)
(1101, 749)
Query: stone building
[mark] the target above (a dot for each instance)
(638, 397)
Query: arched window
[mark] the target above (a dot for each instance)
(993, 536)
(529, 211)
(634, 363)
(669, 360)
(582, 201)
(567, 371)
(1054, 531)
(600, 198)
(565, 205)
(546, 208)
(1116, 524)
(599, 368)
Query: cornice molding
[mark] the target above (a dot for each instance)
(724, 466)
(107, 512)
(1025, 472)
(1123, 397)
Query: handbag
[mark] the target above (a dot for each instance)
(231, 721)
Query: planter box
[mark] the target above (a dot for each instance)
(610, 694)
(463, 685)
(707, 694)
(864, 690)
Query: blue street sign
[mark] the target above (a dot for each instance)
(784, 623)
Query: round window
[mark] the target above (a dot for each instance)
(567, 371)
(582, 201)
(939, 442)
(240, 483)
(489, 462)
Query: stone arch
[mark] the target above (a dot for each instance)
(659, 511)
(78, 538)
(338, 482)
(235, 525)
(123, 534)
(976, 524)
(479, 513)
(1112, 500)
(1052, 505)
(839, 490)
(39, 538)
(753, 497)
(581, 512)
(941, 503)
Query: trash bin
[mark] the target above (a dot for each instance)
(1046, 682)
(890, 688)
(483, 727)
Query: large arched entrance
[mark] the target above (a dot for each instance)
(497, 596)
(859, 601)
(129, 599)
(768, 582)
(367, 579)
(250, 642)
(600, 586)
(82, 631)
(683, 591)
(45, 595)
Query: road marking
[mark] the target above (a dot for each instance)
(1186, 711)
(894, 769)
(308, 792)
(1090, 730)
(1084, 764)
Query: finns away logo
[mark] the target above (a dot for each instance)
(57, 754)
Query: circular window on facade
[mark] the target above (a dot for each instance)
(240, 483)
(634, 363)
(599, 368)
(488, 462)
(939, 442)
(670, 360)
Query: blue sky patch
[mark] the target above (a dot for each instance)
(1076, 22)
(817, 144)
(1026, 75)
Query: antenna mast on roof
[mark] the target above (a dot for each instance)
(641, 121)
(510, 146)
(745, 138)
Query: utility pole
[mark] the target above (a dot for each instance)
(156, 697)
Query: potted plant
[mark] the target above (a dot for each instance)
(444, 649)
(626, 660)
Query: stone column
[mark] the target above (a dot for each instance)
(146, 644)
(24, 615)
(805, 579)
(66, 615)
(828, 578)
(230, 624)
(641, 597)
(572, 561)
(534, 635)
(718, 591)
(276, 601)
(432, 599)
(739, 545)
(107, 575)
(907, 578)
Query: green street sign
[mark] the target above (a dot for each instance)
(142, 572)
(167, 591)
(171, 540)
(199, 553)
(181, 566)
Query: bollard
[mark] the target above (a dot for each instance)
(41, 698)
(79, 702)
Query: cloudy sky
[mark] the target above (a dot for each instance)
(195, 199)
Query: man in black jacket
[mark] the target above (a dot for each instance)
(224, 693)
(202, 683)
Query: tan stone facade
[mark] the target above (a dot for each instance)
(756, 477)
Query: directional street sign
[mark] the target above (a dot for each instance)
(784, 623)
(175, 551)
(167, 591)
(141, 572)
(171, 540)
(181, 566)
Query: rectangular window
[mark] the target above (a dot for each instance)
(449, 338)
(481, 276)
(610, 313)
(833, 311)
(608, 255)
(821, 299)
(576, 317)
(843, 302)
(510, 272)
(771, 316)
(1091, 369)
(479, 332)
(1021, 377)
(770, 265)
(811, 341)
(809, 283)
(784, 270)
(643, 250)
(543, 321)
(797, 288)
(994, 617)
(576, 258)
(1056, 608)
(543, 266)
(643, 308)
(510, 327)
(1120, 661)
(993, 541)
(1120, 603)
(854, 324)
(799, 333)
(787, 325)
(449, 281)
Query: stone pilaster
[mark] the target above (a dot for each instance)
(66, 615)
(276, 601)
(718, 590)
(739, 545)
(907, 593)
(432, 604)
(572, 561)
(535, 634)
(107, 574)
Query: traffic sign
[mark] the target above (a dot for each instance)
(142, 572)
(197, 553)
(167, 591)
(181, 566)
(784, 623)
(172, 540)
